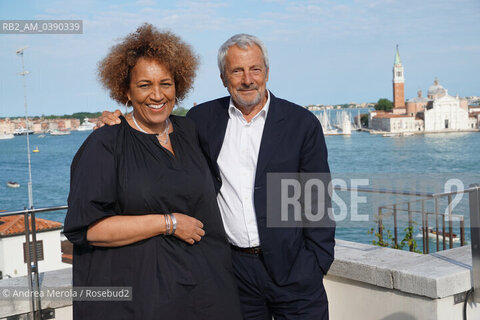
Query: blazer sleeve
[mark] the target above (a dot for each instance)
(320, 238)
(93, 187)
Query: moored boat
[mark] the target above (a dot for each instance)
(22, 132)
(86, 125)
(397, 134)
(433, 234)
(13, 184)
(390, 134)
(59, 132)
(6, 136)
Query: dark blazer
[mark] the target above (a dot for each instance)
(292, 141)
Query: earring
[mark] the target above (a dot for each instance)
(126, 107)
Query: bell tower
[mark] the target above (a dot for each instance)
(398, 85)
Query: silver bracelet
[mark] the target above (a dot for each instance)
(167, 224)
(174, 223)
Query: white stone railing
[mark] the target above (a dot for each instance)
(370, 282)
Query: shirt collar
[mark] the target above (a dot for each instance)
(234, 112)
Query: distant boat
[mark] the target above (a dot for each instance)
(13, 184)
(6, 136)
(59, 132)
(397, 134)
(343, 123)
(86, 126)
(22, 132)
(433, 234)
(390, 134)
(342, 126)
(326, 126)
(41, 136)
(36, 150)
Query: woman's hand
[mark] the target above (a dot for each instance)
(122, 230)
(108, 118)
(189, 229)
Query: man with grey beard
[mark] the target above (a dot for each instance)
(245, 136)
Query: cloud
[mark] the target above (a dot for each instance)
(203, 4)
(330, 41)
(186, 15)
(145, 3)
(375, 3)
(314, 19)
(275, 1)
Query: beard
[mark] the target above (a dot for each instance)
(241, 102)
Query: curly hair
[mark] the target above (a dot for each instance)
(164, 47)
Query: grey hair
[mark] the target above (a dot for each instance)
(243, 41)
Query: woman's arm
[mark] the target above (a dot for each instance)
(116, 231)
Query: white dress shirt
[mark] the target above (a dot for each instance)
(238, 163)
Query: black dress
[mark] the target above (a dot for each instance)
(121, 171)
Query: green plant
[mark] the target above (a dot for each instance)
(388, 240)
(409, 239)
(380, 242)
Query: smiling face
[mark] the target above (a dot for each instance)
(152, 92)
(246, 78)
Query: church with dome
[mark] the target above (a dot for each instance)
(444, 112)
(437, 112)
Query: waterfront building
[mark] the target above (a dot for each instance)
(473, 121)
(417, 104)
(474, 108)
(396, 123)
(474, 113)
(419, 124)
(438, 112)
(12, 242)
(444, 112)
(372, 114)
(6, 126)
(38, 125)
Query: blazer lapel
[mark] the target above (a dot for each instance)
(271, 135)
(218, 129)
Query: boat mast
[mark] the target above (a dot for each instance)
(23, 74)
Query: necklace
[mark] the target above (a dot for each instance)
(164, 133)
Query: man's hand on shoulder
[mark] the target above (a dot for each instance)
(108, 118)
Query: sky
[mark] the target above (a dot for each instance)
(320, 51)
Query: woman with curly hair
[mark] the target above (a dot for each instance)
(142, 206)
